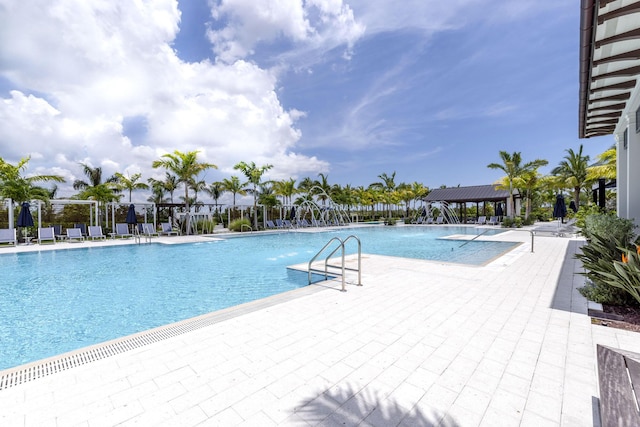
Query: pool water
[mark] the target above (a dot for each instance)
(52, 302)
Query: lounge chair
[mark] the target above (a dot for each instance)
(167, 229)
(46, 234)
(493, 220)
(429, 220)
(482, 220)
(57, 231)
(122, 231)
(74, 234)
(304, 223)
(270, 224)
(95, 232)
(149, 230)
(287, 223)
(82, 226)
(8, 235)
(440, 220)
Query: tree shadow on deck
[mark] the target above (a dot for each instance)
(351, 407)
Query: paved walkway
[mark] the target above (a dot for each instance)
(420, 344)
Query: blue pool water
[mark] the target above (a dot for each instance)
(52, 302)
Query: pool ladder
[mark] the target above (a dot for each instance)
(342, 267)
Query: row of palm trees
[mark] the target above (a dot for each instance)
(184, 169)
(573, 172)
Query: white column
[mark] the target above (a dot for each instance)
(633, 170)
(621, 182)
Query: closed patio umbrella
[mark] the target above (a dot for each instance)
(572, 206)
(560, 208)
(499, 211)
(131, 215)
(292, 213)
(24, 218)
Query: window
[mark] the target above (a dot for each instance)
(625, 138)
(637, 121)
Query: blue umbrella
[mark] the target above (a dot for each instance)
(572, 206)
(559, 209)
(292, 213)
(25, 219)
(131, 215)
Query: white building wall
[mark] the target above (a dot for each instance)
(628, 162)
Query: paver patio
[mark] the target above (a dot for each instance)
(420, 344)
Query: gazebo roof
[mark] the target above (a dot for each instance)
(477, 193)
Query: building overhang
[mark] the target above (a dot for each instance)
(609, 63)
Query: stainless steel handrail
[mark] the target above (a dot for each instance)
(344, 242)
(342, 266)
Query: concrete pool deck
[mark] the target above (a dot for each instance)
(422, 343)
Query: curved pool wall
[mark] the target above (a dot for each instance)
(53, 302)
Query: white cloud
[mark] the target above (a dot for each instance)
(310, 25)
(80, 68)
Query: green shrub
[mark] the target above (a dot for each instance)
(609, 225)
(390, 221)
(529, 221)
(584, 212)
(242, 224)
(626, 274)
(508, 222)
(599, 258)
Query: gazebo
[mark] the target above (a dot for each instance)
(474, 194)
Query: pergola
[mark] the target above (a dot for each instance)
(609, 99)
(475, 194)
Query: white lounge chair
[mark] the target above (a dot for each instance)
(167, 229)
(493, 220)
(440, 220)
(482, 220)
(74, 234)
(46, 234)
(122, 230)
(95, 232)
(8, 235)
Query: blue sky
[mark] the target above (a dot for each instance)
(350, 88)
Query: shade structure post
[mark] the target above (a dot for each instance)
(9, 204)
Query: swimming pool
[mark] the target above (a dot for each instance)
(52, 302)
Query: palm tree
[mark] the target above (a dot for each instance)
(233, 186)
(95, 178)
(186, 167)
(286, 189)
(322, 183)
(254, 177)
(387, 186)
(95, 188)
(573, 170)
(197, 187)
(528, 182)
(513, 168)
(157, 194)
(215, 190)
(15, 186)
(605, 167)
(419, 191)
(130, 184)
